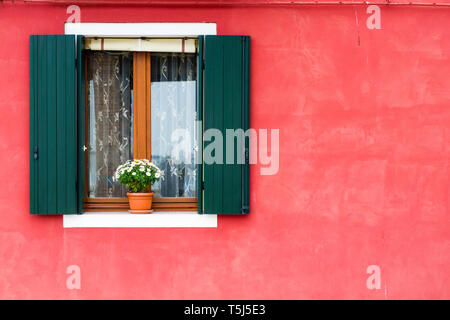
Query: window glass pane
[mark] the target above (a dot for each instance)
(173, 116)
(109, 120)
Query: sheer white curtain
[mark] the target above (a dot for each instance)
(109, 140)
(173, 116)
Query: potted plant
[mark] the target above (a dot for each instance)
(138, 176)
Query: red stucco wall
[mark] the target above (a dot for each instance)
(363, 179)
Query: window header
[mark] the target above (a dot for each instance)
(137, 30)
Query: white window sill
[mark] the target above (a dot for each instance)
(124, 219)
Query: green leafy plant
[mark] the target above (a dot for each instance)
(138, 175)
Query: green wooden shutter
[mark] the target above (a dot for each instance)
(53, 125)
(225, 105)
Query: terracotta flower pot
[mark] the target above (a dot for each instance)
(140, 202)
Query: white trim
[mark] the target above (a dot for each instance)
(126, 219)
(178, 219)
(136, 30)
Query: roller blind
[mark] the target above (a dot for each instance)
(146, 45)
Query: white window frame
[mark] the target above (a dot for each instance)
(166, 219)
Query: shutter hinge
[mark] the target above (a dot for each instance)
(203, 185)
(35, 153)
(245, 209)
(247, 161)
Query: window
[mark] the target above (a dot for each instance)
(138, 101)
(118, 104)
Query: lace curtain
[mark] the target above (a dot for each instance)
(173, 111)
(109, 120)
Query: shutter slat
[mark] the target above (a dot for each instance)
(213, 112)
(52, 125)
(61, 141)
(226, 105)
(52, 133)
(33, 121)
(42, 128)
(232, 120)
(70, 131)
(246, 121)
(79, 114)
(70, 156)
(199, 101)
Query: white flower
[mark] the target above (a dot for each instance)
(148, 174)
(157, 175)
(134, 173)
(141, 168)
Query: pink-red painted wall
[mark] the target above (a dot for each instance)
(364, 119)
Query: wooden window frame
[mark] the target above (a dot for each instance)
(141, 141)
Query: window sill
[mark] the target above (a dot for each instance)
(124, 219)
